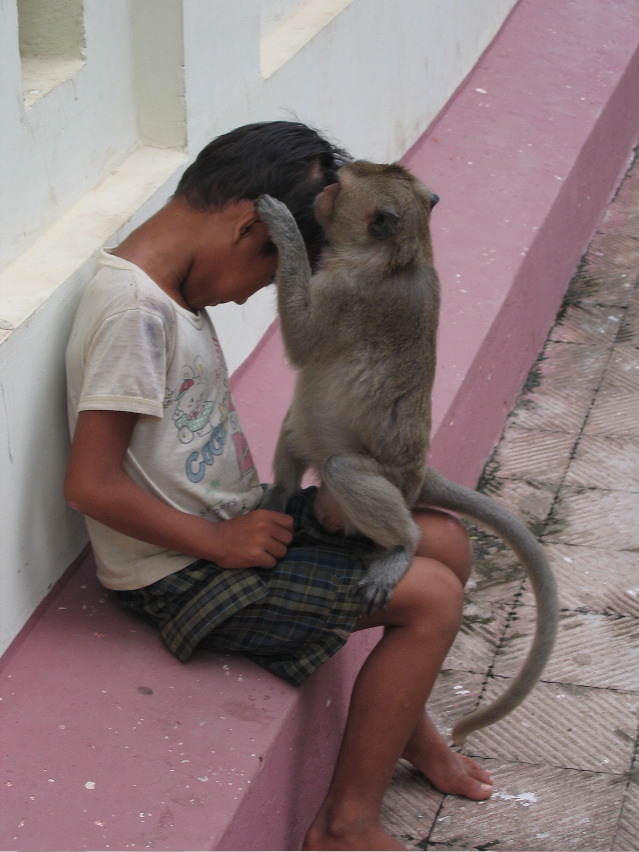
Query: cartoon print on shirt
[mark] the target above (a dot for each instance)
(193, 412)
(244, 457)
(198, 462)
(245, 461)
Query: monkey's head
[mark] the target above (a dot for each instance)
(382, 210)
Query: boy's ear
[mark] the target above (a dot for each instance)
(245, 218)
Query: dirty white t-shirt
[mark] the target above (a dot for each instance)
(134, 349)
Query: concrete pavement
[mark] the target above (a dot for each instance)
(565, 763)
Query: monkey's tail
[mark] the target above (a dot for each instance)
(439, 491)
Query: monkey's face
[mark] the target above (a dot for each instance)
(381, 208)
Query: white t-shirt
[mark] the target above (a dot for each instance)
(132, 348)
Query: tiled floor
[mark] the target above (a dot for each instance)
(565, 763)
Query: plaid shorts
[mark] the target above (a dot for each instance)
(289, 619)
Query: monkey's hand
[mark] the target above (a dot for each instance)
(283, 229)
(384, 572)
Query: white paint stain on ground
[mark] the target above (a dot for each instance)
(525, 799)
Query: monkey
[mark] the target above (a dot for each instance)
(360, 332)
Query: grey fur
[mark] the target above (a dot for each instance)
(361, 333)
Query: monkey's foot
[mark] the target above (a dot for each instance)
(384, 572)
(448, 771)
(377, 596)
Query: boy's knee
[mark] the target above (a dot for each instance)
(461, 549)
(435, 595)
(445, 538)
(447, 592)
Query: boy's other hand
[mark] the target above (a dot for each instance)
(255, 540)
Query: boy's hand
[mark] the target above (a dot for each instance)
(97, 485)
(255, 540)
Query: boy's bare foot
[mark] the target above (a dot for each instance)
(371, 837)
(447, 770)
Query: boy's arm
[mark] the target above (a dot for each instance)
(97, 485)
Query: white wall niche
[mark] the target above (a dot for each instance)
(52, 44)
(284, 36)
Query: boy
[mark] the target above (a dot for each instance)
(160, 467)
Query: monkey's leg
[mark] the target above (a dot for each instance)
(376, 508)
(288, 470)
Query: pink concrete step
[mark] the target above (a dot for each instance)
(107, 741)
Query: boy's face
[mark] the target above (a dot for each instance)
(237, 261)
(251, 266)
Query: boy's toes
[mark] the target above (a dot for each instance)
(472, 780)
(478, 791)
(461, 776)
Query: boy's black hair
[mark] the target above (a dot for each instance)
(285, 159)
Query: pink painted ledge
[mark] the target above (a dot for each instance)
(109, 743)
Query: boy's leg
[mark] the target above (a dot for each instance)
(445, 539)
(386, 716)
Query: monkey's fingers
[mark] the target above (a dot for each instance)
(376, 595)
(274, 213)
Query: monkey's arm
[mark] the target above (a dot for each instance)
(293, 277)
(288, 470)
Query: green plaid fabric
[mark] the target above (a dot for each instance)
(289, 620)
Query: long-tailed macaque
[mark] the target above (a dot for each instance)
(361, 333)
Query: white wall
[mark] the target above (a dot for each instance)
(155, 80)
(55, 151)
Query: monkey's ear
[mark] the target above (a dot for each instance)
(384, 224)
